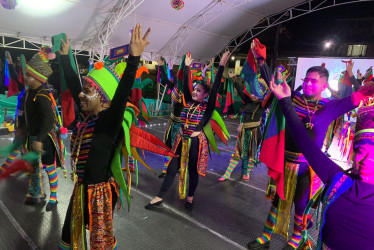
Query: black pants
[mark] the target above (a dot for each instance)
(48, 158)
(175, 165)
(302, 190)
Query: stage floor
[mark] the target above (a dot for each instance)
(226, 215)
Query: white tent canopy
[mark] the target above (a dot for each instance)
(203, 27)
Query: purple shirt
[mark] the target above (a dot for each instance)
(350, 219)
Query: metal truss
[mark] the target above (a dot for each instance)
(284, 16)
(120, 11)
(197, 23)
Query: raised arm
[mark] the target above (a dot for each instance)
(118, 105)
(321, 164)
(214, 91)
(72, 79)
(217, 82)
(352, 78)
(186, 78)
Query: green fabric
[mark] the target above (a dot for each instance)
(56, 41)
(116, 167)
(208, 131)
(141, 84)
(5, 151)
(217, 118)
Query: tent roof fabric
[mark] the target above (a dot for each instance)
(203, 27)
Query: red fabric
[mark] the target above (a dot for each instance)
(346, 80)
(275, 162)
(16, 166)
(12, 87)
(217, 129)
(67, 104)
(20, 76)
(136, 96)
(229, 101)
(144, 140)
(260, 49)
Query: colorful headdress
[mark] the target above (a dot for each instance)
(38, 67)
(364, 133)
(104, 79)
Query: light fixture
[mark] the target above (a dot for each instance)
(327, 44)
(42, 8)
(233, 58)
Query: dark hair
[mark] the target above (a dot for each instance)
(205, 86)
(322, 71)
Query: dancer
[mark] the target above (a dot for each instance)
(299, 182)
(348, 199)
(96, 143)
(249, 136)
(191, 145)
(38, 129)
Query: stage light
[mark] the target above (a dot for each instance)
(233, 58)
(42, 8)
(327, 44)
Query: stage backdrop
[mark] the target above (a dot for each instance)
(334, 65)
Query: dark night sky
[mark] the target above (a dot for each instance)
(348, 23)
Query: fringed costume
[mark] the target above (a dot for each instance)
(99, 143)
(193, 151)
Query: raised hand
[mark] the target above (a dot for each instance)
(231, 74)
(188, 60)
(225, 57)
(349, 67)
(64, 49)
(211, 63)
(359, 75)
(137, 43)
(161, 61)
(281, 90)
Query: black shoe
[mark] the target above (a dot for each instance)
(288, 247)
(188, 205)
(156, 204)
(257, 245)
(34, 201)
(162, 175)
(51, 205)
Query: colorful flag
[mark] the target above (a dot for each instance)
(229, 95)
(249, 74)
(11, 83)
(67, 101)
(272, 150)
(368, 75)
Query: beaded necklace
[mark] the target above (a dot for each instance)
(308, 118)
(188, 115)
